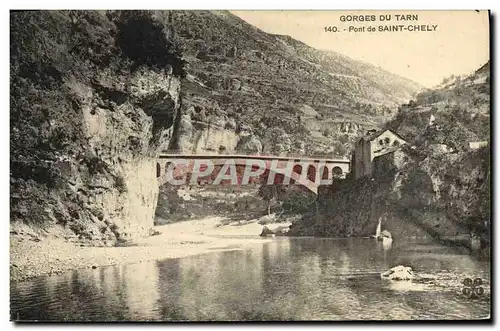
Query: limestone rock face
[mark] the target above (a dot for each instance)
(215, 140)
(262, 80)
(249, 145)
(417, 199)
(349, 128)
(92, 110)
(185, 133)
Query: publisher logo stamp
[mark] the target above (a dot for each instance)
(473, 288)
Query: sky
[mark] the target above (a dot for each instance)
(458, 42)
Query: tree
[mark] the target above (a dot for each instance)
(344, 139)
(453, 129)
(269, 193)
(339, 149)
(277, 142)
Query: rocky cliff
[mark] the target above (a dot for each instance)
(443, 195)
(289, 97)
(93, 95)
(436, 186)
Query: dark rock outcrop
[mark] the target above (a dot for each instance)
(421, 190)
(92, 97)
(266, 231)
(444, 195)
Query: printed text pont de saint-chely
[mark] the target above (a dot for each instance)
(388, 23)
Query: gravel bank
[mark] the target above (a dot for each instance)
(35, 255)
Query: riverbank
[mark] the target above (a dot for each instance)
(34, 254)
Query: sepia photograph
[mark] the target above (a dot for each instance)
(250, 165)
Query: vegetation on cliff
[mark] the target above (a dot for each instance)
(460, 108)
(437, 185)
(92, 95)
(274, 88)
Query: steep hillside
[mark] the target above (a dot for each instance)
(269, 88)
(437, 186)
(93, 95)
(96, 95)
(460, 108)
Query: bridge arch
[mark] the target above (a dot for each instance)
(324, 170)
(316, 169)
(297, 169)
(167, 164)
(279, 178)
(311, 173)
(337, 172)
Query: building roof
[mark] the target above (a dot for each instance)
(376, 134)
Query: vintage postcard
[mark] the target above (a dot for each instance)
(170, 165)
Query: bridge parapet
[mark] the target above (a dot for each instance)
(246, 169)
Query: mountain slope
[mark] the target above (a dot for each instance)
(460, 107)
(241, 79)
(437, 186)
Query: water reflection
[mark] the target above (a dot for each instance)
(287, 279)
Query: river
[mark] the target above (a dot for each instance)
(286, 279)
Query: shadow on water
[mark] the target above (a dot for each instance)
(286, 279)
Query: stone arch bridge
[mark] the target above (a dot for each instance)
(216, 169)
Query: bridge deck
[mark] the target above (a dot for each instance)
(258, 157)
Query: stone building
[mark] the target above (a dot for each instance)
(375, 143)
